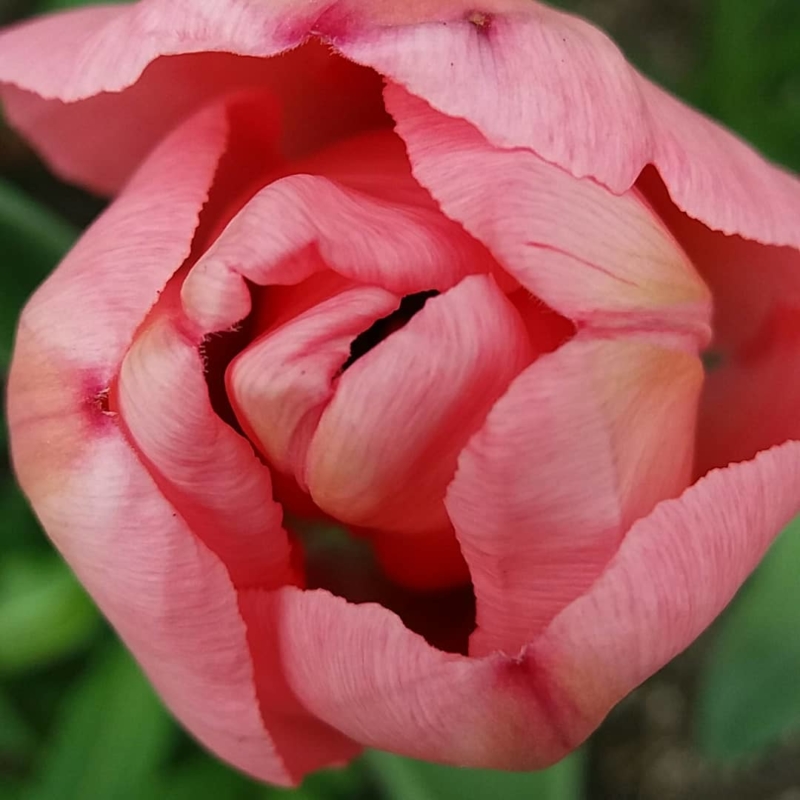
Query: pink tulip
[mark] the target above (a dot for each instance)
(532, 424)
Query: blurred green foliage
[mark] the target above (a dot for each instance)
(78, 721)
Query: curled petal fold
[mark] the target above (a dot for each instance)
(386, 446)
(568, 458)
(380, 684)
(281, 384)
(206, 470)
(541, 223)
(553, 84)
(753, 385)
(379, 229)
(674, 573)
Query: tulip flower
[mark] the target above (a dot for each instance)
(442, 277)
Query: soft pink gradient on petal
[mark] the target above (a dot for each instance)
(549, 82)
(170, 598)
(281, 384)
(675, 572)
(384, 686)
(752, 392)
(625, 269)
(96, 116)
(386, 445)
(379, 228)
(542, 80)
(568, 458)
(107, 283)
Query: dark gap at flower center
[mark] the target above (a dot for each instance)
(217, 352)
(712, 360)
(343, 563)
(410, 305)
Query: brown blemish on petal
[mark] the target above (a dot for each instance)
(480, 20)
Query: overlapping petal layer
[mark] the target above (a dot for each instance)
(384, 686)
(587, 110)
(567, 460)
(752, 390)
(674, 573)
(625, 269)
(281, 385)
(171, 598)
(280, 681)
(379, 228)
(386, 445)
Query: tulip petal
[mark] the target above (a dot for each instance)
(540, 223)
(752, 390)
(203, 467)
(386, 445)
(370, 222)
(382, 685)
(281, 384)
(541, 80)
(568, 458)
(170, 597)
(675, 572)
(99, 95)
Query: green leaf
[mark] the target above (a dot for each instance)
(751, 691)
(203, 777)
(43, 6)
(32, 241)
(110, 738)
(405, 779)
(19, 527)
(330, 784)
(44, 612)
(17, 737)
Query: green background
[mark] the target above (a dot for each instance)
(78, 721)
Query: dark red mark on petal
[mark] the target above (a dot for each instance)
(98, 405)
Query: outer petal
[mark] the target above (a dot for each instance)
(568, 458)
(382, 685)
(100, 94)
(752, 390)
(528, 62)
(540, 222)
(676, 570)
(539, 79)
(171, 598)
(674, 573)
(386, 446)
(205, 469)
